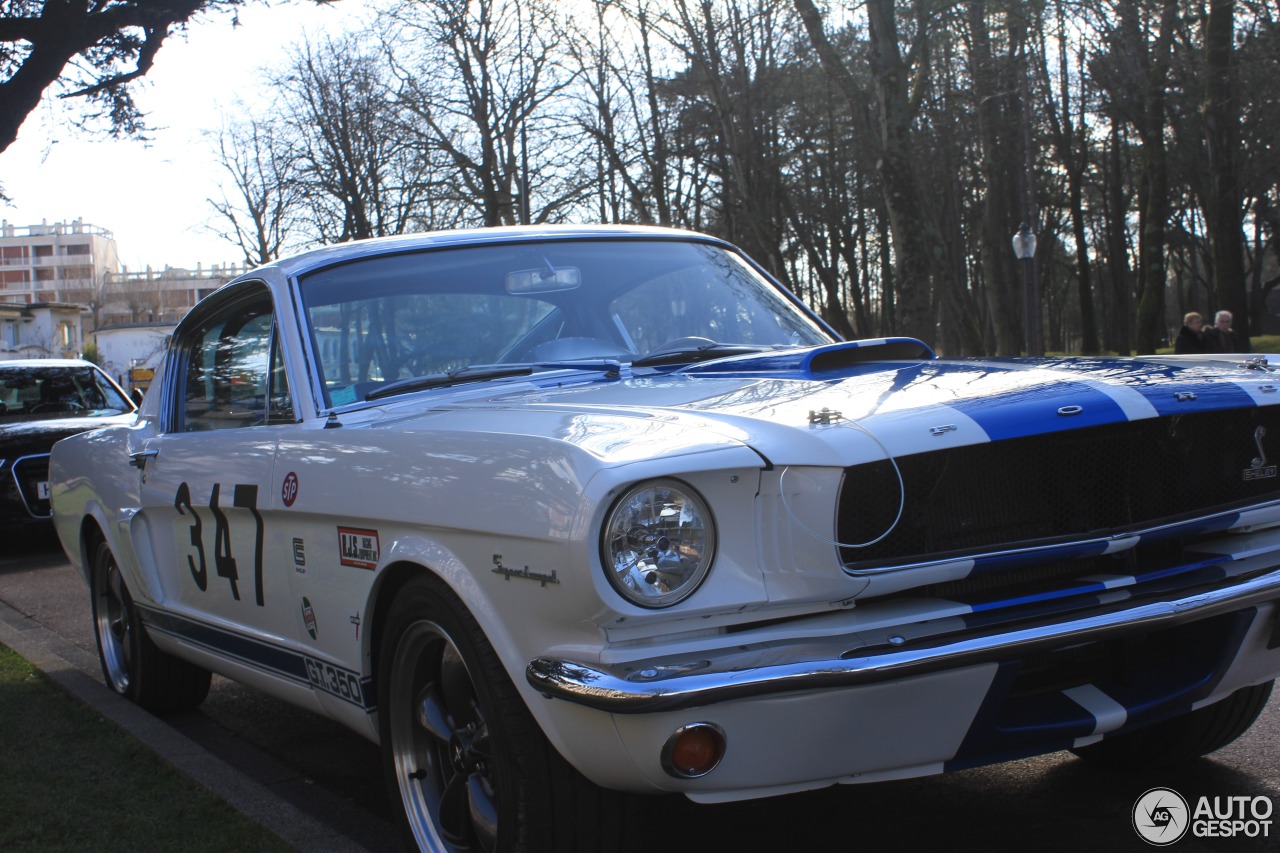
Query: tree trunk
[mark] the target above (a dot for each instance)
(915, 239)
(916, 244)
(991, 93)
(1222, 208)
(1153, 188)
(1117, 211)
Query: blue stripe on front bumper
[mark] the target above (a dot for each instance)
(1019, 719)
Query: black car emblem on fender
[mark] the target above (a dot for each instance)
(1259, 469)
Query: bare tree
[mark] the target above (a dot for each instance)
(1151, 47)
(140, 294)
(1067, 136)
(359, 175)
(84, 49)
(484, 85)
(899, 83)
(619, 110)
(1222, 208)
(259, 209)
(875, 156)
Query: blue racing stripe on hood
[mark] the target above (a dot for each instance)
(1039, 408)
(1171, 389)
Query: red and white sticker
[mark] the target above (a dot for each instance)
(358, 547)
(289, 491)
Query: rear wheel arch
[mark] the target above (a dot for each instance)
(132, 665)
(95, 527)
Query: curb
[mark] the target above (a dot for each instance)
(78, 672)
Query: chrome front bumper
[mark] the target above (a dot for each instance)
(764, 669)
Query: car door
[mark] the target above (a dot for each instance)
(207, 477)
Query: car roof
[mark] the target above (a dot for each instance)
(46, 362)
(341, 252)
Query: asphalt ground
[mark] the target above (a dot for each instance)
(318, 786)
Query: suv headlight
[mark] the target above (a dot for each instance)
(658, 543)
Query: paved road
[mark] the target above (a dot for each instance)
(1051, 803)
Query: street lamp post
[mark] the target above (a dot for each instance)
(1024, 248)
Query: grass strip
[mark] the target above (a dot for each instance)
(71, 780)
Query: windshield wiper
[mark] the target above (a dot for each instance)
(473, 373)
(706, 352)
(481, 372)
(601, 365)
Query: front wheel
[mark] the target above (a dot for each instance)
(1184, 738)
(463, 758)
(131, 663)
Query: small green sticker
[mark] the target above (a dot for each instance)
(309, 617)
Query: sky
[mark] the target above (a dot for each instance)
(153, 196)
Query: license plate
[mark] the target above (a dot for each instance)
(42, 490)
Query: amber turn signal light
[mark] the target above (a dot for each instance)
(693, 750)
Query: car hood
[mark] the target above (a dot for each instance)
(815, 407)
(23, 438)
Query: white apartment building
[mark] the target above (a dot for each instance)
(55, 263)
(159, 296)
(77, 263)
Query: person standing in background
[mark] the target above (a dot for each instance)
(1220, 337)
(1191, 339)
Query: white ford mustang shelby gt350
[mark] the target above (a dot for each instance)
(558, 516)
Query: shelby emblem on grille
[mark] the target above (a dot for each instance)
(1259, 469)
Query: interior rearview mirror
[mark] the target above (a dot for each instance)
(548, 279)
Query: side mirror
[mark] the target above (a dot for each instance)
(136, 396)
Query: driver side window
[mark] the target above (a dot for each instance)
(233, 373)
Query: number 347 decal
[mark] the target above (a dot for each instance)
(244, 496)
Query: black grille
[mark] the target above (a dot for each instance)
(1057, 486)
(30, 472)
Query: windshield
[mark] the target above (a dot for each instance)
(33, 392)
(547, 305)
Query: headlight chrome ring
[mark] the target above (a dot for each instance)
(658, 543)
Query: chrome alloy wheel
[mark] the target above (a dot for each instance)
(112, 616)
(440, 744)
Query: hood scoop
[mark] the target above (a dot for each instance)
(815, 362)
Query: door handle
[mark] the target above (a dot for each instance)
(139, 459)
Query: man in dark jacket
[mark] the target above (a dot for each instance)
(1220, 337)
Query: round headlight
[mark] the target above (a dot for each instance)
(658, 543)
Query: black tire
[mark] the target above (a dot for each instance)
(1181, 739)
(131, 663)
(467, 767)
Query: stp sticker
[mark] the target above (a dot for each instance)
(358, 547)
(289, 491)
